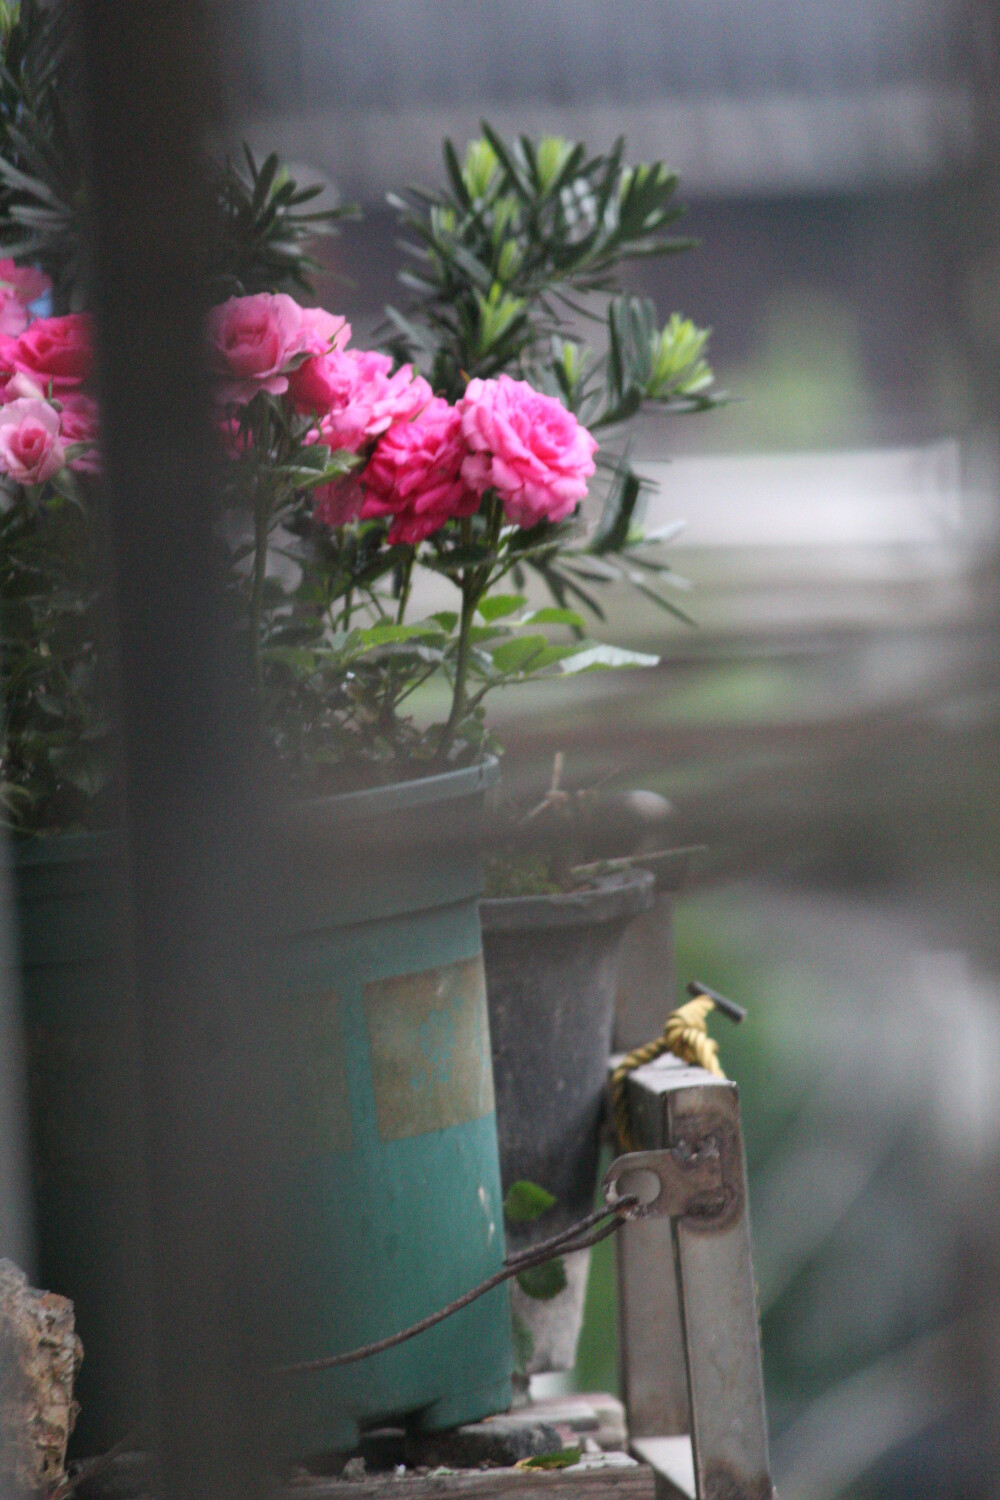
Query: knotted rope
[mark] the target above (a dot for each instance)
(686, 1036)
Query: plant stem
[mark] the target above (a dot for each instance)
(471, 591)
(406, 577)
(475, 582)
(261, 518)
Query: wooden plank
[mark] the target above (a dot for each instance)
(608, 1482)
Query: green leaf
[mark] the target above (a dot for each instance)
(480, 167)
(524, 1344)
(387, 634)
(482, 633)
(299, 659)
(454, 170)
(526, 1201)
(602, 658)
(516, 655)
(560, 1458)
(497, 605)
(506, 159)
(552, 616)
(262, 185)
(616, 520)
(447, 619)
(543, 1282)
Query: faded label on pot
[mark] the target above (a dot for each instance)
(430, 1047)
(318, 1114)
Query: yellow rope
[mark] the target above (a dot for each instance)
(686, 1036)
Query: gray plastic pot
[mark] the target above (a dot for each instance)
(551, 979)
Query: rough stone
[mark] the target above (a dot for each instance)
(499, 1441)
(39, 1358)
(593, 1412)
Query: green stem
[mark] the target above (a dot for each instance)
(474, 585)
(470, 598)
(406, 578)
(261, 519)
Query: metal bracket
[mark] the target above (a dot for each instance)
(669, 1183)
(689, 1335)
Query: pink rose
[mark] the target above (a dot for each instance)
(8, 375)
(415, 474)
(30, 449)
(26, 283)
(13, 313)
(252, 341)
(79, 423)
(356, 396)
(339, 502)
(19, 286)
(527, 447)
(322, 331)
(56, 352)
(234, 438)
(20, 385)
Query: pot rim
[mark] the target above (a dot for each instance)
(614, 898)
(319, 815)
(316, 815)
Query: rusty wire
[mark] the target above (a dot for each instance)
(580, 1236)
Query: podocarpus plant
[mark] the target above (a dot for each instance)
(467, 449)
(470, 458)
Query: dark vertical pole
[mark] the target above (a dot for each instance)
(15, 1231)
(147, 80)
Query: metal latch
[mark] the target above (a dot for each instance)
(667, 1183)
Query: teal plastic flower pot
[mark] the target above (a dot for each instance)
(387, 1199)
(83, 1113)
(391, 1189)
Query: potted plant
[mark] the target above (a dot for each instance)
(522, 233)
(565, 879)
(347, 473)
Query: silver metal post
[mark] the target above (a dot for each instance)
(690, 1337)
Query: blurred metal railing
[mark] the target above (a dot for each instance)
(185, 877)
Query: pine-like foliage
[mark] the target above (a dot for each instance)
(263, 219)
(522, 239)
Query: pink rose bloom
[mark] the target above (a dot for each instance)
(235, 441)
(58, 353)
(339, 502)
(251, 343)
(322, 331)
(19, 286)
(30, 449)
(13, 313)
(20, 386)
(415, 474)
(7, 371)
(527, 447)
(27, 283)
(79, 423)
(356, 396)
